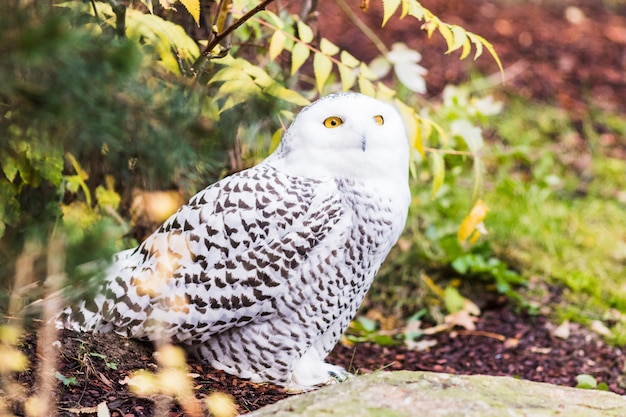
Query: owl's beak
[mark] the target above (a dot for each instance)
(363, 143)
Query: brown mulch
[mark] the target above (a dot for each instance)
(505, 342)
(570, 53)
(576, 64)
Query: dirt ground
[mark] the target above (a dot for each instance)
(572, 54)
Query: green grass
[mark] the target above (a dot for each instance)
(558, 207)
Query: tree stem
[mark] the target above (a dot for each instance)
(220, 36)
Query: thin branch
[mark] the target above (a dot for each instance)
(378, 43)
(451, 152)
(220, 36)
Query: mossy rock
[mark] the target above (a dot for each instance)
(427, 394)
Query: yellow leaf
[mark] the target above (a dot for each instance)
(299, 55)
(412, 123)
(493, 53)
(305, 33)
(347, 75)
(442, 134)
(366, 87)
(459, 37)
(292, 96)
(478, 177)
(276, 137)
(447, 35)
(322, 66)
(348, 60)
(430, 27)
(481, 42)
(477, 43)
(275, 20)
(193, 7)
(277, 43)
(384, 93)
(439, 172)
(414, 9)
(239, 87)
(148, 4)
(418, 142)
(223, 13)
(365, 72)
(328, 48)
(476, 216)
(389, 8)
(467, 47)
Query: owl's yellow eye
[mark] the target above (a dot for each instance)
(379, 120)
(332, 122)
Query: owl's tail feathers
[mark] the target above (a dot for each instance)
(78, 319)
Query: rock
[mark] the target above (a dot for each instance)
(427, 394)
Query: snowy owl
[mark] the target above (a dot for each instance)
(261, 273)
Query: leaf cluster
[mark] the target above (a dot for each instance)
(85, 117)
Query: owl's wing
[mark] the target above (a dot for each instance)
(224, 259)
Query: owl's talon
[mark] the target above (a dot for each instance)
(339, 375)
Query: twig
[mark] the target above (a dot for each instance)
(378, 43)
(450, 151)
(220, 36)
(492, 335)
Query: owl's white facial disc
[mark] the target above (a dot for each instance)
(345, 136)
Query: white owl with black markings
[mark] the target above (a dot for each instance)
(261, 272)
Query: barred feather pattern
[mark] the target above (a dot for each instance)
(256, 272)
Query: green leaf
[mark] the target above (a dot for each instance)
(299, 54)
(9, 167)
(383, 340)
(438, 172)
(586, 381)
(366, 325)
(277, 43)
(389, 8)
(322, 66)
(107, 197)
(65, 380)
(169, 40)
(453, 300)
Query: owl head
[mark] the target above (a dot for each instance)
(345, 135)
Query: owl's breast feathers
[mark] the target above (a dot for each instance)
(243, 250)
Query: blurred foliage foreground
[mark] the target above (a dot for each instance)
(111, 117)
